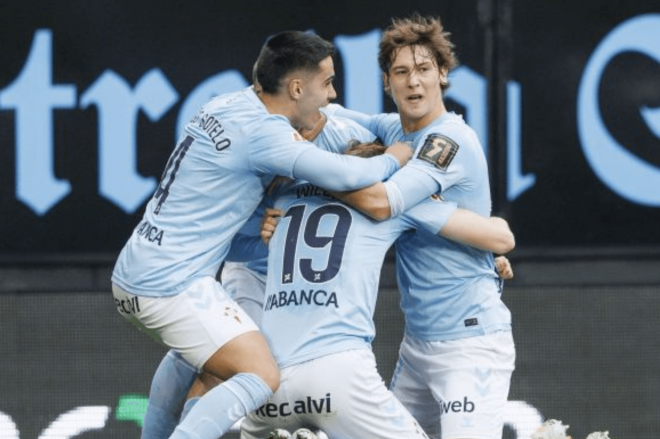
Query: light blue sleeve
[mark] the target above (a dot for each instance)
(370, 122)
(339, 133)
(339, 173)
(430, 214)
(408, 187)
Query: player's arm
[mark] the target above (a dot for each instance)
(371, 201)
(245, 248)
(463, 226)
(381, 201)
(490, 234)
(370, 122)
(338, 172)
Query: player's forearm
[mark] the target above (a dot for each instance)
(490, 234)
(372, 201)
(335, 172)
(502, 236)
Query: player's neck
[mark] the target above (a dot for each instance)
(276, 104)
(311, 133)
(410, 123)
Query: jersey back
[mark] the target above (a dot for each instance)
(324, 268)
(212, 183)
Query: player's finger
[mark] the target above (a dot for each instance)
(271, 212)
(266, 235)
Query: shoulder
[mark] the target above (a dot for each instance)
(341, 126)
(446, 138)
(452, 126)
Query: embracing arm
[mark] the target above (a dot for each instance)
(245, 248)
(338, 172)
(372, 201)
(381, 201)
(491, 234)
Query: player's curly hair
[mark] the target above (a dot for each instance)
(420, 31)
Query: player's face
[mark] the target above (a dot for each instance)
(318, 92)
(414, 83)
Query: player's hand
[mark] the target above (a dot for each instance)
(504, 268)
(401, 151)
(269, 223)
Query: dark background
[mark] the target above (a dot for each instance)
(585, 296)
(587, 344)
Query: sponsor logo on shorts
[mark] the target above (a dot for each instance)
(308, 405)
(465, 406)
(302, 297)
(128, 306)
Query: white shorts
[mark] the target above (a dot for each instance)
(196, 322)
(247, 287)
(456, 388)
(342, 394)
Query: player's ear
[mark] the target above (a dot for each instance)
(386, 84)
(295, 88)
(443, 76)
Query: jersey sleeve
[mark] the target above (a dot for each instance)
(407, 187)
(375, 123)
(430, 214)
(440, 156)
(245, 248)
(339, 133)
(274, 146)
(340, 173)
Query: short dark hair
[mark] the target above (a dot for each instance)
(289, 51)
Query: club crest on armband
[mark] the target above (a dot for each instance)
(438, 150)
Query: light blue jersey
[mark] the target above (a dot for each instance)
(324, 268)
(337, 135)
(448, 290)
(213, 182)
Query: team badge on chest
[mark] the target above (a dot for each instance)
(438, 150)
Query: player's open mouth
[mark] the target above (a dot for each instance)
(415, 97)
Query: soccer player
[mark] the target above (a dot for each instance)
(324, 267)
(246, 281)
(457, 355)
(164, 279)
